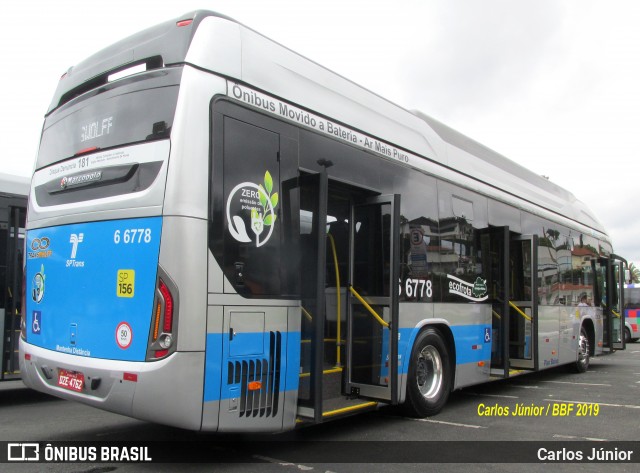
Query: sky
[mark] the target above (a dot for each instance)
(552, 84)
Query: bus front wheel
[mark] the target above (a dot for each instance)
(429, 376)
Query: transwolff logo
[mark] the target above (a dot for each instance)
(80, 179)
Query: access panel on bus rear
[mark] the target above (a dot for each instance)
(90, 287)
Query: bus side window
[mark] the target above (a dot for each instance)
(251, 209)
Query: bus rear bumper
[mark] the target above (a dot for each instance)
(169, 389)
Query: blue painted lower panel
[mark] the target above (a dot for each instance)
(213, 367)
(90, 287)
(224, 373)
(472, 344)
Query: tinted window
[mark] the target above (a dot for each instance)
(459, 272)
(548, 274)
(251, 205)
(419, 237)
(371, 261)
(501, 214)
(558, 283)
(632, 298)
(131, 113)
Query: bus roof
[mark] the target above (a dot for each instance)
(248, 57)
(161, 45)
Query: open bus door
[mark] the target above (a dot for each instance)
(11, 267)
(512, 262)
(312, 200)
(610, 286)
(523, 305)
(345, 237)
(372, 343)
(494, 245)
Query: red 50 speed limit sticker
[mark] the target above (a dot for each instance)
(124, 335)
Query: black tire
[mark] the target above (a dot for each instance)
(429, 376)
(627, 335)
(584, 352)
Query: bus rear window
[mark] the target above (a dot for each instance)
(116, 117)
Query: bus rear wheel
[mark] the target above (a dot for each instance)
(582, 362)
(429, 376)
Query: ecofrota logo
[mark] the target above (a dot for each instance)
(476, 291)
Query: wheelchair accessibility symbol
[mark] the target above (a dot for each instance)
(487, 335)
(36, 325)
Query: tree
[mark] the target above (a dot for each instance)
(635, 273)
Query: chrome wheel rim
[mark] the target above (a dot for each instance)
(429, 373)
(583, 349)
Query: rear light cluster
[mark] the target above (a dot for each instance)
(162, 339)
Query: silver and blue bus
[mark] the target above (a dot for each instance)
(224, 235)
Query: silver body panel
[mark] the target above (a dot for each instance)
(268, 66)
(141, 398)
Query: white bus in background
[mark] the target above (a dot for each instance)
(238, 239)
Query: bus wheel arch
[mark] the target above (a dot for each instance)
(585, 348)
(431, 371)
(588, 326)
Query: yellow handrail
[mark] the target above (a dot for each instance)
(338, 301)
(344, 410)
(326, 340)
(519, 311)
(307, 314)
(337, 369)
(368, 307)
(615, 314)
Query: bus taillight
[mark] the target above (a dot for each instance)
(168, 307)
(162, 336)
